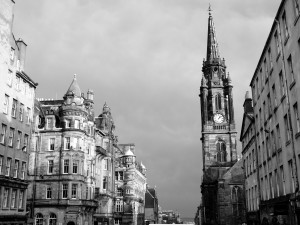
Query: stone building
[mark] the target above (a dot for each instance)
(250, 162)
(219, 151)
(275, 90)
(130, 187)
(62, 165)
(17, 94)
(151, 206)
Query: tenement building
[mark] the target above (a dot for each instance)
(250, 162)
(275, 90)
(130, 176)
(17, 93)
(222, 185)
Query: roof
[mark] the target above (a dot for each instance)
(74, 88)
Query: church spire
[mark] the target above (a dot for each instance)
(212, 44)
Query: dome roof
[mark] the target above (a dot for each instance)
(74, 88)
(129, 153)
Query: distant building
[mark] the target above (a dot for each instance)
(275, 90)
(17, 94)
(130, 177)
(222, 184)
(151, 206)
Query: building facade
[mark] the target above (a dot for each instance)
(17, 94)
(275, 90)
(151, 206)
(252, 186)
(218, 139)
(130, 187)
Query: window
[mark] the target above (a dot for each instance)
(52, 219)
(21, 199)
(67, 143)
(16, 169)
(76, 124)
(12, 54)
(23, 170)
(14, 108)
(39, 219)
(120, 192)
(287, 128)
(277, 42)
(19, 140)
(66, 165)
(5, 197)
(51, 144)
(65, 191)
(3, 134)
(105, 180)
(270, 59)
(6, 104)
(119, 175)
(118, 221)
(1, 164)
(25, 142)
(266, 69)
(296, 115)
(119, 206)
(282, 179)
(13, 199)
(49, 123)
(292, 179)
(105, 164)
(285, 26)
(282, 85)
(68, 123)
(297, 9)
(74, 191)
(218, 102)
(221, 151)
(28, 115)
(75, 166)
(50, 166)
(21, 112)
(11, 136)
(8, 165)
(9, 78)
(274, 95)
(18, 79)
(278, 137)
(49, 192)
(290, 66)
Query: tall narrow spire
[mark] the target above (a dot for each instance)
(212, 44)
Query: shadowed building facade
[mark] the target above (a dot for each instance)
(17, 94)
(218, 140)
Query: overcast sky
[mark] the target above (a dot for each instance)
(144, 58)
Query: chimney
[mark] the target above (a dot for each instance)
(248, 108)
(22, 54)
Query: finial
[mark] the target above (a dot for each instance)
(209, 9)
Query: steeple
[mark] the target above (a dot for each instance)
(212, 44)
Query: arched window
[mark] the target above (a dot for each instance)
(218, 102)
(236, 200)
(52, 219)
(39, 219)
(221, 151)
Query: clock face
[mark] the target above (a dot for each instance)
(218, 118)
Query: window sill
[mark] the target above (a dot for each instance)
(286, 39)
(292, 84)
(288, 142)
(297, 134)
(279, 53)
(296, 19)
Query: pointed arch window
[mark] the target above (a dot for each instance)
(236, 200)
(221, 151)
(218, 102)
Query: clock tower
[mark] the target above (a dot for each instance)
(217, 114)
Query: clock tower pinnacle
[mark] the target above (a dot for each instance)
(217, 113)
